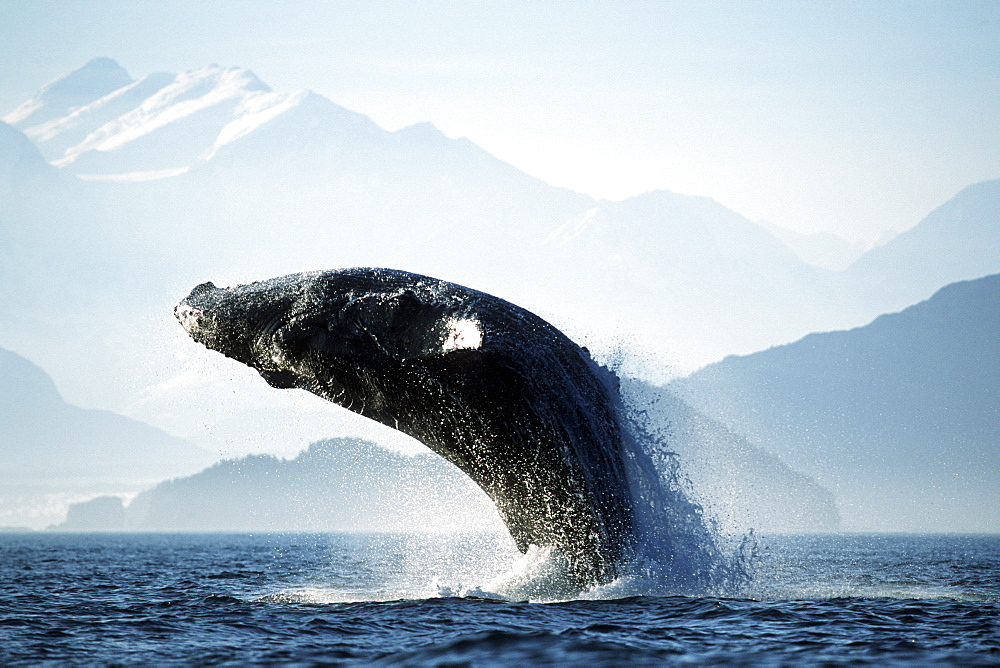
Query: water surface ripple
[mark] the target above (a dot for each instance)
(304, 598)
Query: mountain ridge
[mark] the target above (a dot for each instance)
(298, 166)
(897, 417)
(55, 452)
(95, 79)
(45, 437)
(350, 484)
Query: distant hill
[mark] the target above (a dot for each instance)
(900, 418)
(679, 272)
(741, 485)
(45, 438)
(821, 249)
(22, 168)
(335, 485)
(53, 451)
(348, 484)
(960, 240)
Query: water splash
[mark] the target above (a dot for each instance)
(681, 547)
(679, 550)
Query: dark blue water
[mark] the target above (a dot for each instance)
(307, 598)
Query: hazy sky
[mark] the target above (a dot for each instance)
(855, 117)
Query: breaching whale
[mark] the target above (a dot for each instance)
(496, 390)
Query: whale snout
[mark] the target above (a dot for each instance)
(187, 313)
(189, 316)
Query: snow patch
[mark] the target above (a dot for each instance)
(255, 111)
(570, 229)
(136, 177)
(190, 93)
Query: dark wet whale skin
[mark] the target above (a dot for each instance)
(493, 388)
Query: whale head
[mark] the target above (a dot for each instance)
(287, 328)
(239, 322)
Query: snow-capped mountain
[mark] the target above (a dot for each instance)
(58, 136)
(160, 124)
(63, 96)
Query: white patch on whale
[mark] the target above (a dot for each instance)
(462, 334)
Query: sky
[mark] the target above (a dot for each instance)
(851, 117)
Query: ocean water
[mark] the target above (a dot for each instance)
(425, 600)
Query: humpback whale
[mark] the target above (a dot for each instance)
(496, 390)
